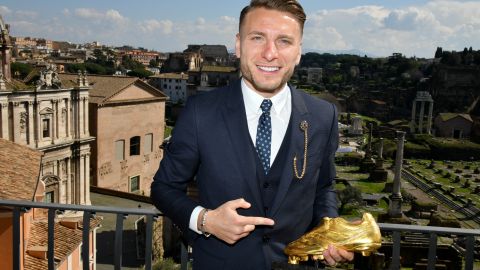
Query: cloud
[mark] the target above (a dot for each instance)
(4, 10)
(412, 30)
(164, 26)
(26, 14)
(66, 12)
(110, 15)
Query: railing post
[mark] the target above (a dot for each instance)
(16, 238)
(119, 241)
(51, 237)
(148, 242)
(395, 264)
(86, 240)
(470, 241)
(432, 251)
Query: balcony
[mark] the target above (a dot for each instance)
(393, 235)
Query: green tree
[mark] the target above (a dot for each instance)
(140, 72)
(20, 70)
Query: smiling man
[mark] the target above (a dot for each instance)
(261, 152)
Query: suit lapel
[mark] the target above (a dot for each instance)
(235, 119)
(299, 113)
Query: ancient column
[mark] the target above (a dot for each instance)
(87, 179)
(69, 182)
(54, 122)
(380, 149)
(39, 125)
(4, 111)
(370, 134)
(81, 180)
(422, 115)
(430, 116)
(395, 207)
(31, 136)
(87, 132)
(67, 118)
(414, 112)
(16, 122)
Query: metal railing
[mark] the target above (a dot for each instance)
(89, 211)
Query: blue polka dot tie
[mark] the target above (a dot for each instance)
(264, 135)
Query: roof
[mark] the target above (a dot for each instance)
(181, 76)
(66, 241)
(218, 69)
(19, 171)
(103, 87)
(448, 116)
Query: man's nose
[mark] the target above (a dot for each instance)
(270, 51)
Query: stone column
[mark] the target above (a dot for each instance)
(69, 181)
(4, 111)
(413, 122)
(430, 116)
(422, 115)
(54, 120)
(87, 132)
(31, 136)
(87, 179)
(39, 125)
(67, 118)
(80, 117)
(395, 207)
(380, 149)
(16, 122)
(81, 180)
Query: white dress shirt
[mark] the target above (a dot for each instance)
(280, 116)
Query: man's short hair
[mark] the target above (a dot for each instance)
(290, 6)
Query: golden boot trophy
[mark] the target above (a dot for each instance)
(361, 237)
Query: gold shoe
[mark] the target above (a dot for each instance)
(364, 237)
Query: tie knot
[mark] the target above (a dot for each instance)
(266, 105)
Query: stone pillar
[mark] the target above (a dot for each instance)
(69, 182)
(67, 118)
(414, 112)
(81, 180)
(39, 125)
(380, 149)
(87, 132)
(54, 122)
(31, 133)
(80, 117)
(430, 116)
(87, 179)
(395, 207)
(4, 112)
(422, 116)
(16, 122)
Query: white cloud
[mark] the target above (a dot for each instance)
(4, 10)
(414, 30)
(165, 26)
(110, 15)
(66, 12)
(26, 14)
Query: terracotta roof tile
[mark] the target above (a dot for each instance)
(19, 171)
(66, 241)
(104, 87)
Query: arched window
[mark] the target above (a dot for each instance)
(135, 146)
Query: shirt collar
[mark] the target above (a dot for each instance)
(253, 100)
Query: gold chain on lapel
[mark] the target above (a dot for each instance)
(304, 128)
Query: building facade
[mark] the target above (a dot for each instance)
(174, 85)
(127, 118)
(54, 120)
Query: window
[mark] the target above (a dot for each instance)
(135, 183)
(120, 150)
(135, 146)
(46, 128)
(49, 198)
(147, 146)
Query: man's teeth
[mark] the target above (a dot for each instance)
(269, 69)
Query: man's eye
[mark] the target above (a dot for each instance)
(257, 38)
(285, 41)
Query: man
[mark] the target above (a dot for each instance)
(261, 185)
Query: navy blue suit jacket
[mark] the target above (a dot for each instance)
(211, 143)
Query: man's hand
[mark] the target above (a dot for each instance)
(226, 224)
(333, 256)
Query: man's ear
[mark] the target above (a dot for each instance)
(299, 56)
(237, 46)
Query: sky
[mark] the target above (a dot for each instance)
(375, 28)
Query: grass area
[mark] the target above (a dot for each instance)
(445, 173)
(168, 131)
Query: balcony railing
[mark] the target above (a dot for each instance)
(18, 206)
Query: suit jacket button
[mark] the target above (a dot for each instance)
(266, 239)
(266, 185)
